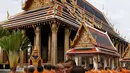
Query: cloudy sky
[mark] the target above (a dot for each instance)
(117, 11)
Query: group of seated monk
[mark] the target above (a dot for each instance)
(70, 67)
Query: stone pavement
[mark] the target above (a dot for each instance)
(7, 70)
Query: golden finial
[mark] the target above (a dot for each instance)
(112, 25)
(8, 15)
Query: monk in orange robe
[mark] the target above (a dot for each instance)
(35, 71)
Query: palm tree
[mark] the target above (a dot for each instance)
(12, 44)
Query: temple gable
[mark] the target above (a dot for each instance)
(83, 38)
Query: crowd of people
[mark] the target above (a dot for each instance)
(70, 67)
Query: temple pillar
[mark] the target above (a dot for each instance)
(113, 65)
(1, 55)
(109, 61)
(22, 57)
(49, 48)
(117, 46)
(85, 61)
(38, 38)
(105, 62)
(54, 29)
(95, 62)
(66, 42)
(99, 60)
(78, 60)
(36, 54)
(120, 49)
(90, 60)
(116, 62)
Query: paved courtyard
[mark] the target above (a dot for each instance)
(7, 70)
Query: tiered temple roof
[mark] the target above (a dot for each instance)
(67, 11)
(98, 42)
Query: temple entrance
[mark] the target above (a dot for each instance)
(45, 33)
(30, 34)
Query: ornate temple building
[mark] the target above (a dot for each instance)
(62, 29)
(93, 48)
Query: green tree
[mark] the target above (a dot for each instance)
(12, 43)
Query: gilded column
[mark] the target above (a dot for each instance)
(1, 55)
(66, 42)
(49, 48)
(54, 29)
(120, 49)
(37, 41)
(109, 60)
(117, 46)
(36, 55)
(117, 62)
(22, 53)
(90, 60)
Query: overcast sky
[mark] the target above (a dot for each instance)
(117, 11)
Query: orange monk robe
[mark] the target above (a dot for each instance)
(127, 71)
(91, 71)
(46, 71)
(52, 71)
(35, 71)
(96, 71)
(108, 71)
(103, 71)
(123, 70)
(119, 72)
(113, 71)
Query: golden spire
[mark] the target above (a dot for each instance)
(8, 15)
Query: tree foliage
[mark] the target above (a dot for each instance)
(12, 42)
